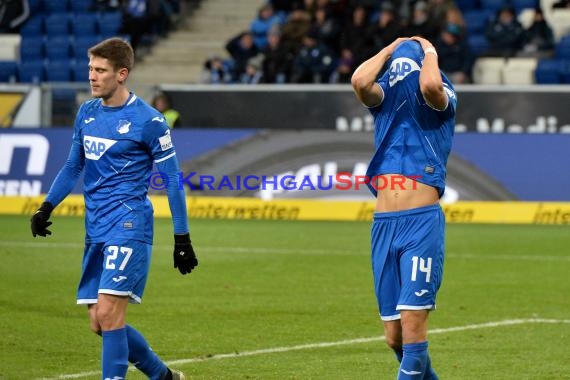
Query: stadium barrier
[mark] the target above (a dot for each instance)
(550, 213)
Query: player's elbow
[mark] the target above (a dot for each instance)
(433, 93)
(359, 83)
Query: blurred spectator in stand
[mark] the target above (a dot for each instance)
(539, 37)
(438, 10)
(561, 4)
(328, 29)
(162, 104)
(216, 71)
(252, 73)
(277, 60)
(298, 25)
(386, 30)
(354, 36)
(314, 63)
(241, 49)
(135, 21)
(421, 24)
(454, 54)
(345, 68)
(287, 5)
(505, 34)
(259, 27)
(13, 14)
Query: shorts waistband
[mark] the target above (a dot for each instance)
(412, 211)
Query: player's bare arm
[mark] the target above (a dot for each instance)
(431, 84)
(364, 77)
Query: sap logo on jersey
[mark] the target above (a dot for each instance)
(400, 68)
(95, 147)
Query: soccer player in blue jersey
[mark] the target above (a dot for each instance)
(116, 140)
(413, 106)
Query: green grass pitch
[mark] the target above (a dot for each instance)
(269, 296)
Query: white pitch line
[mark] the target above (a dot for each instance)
(272, 250)
(309, 346)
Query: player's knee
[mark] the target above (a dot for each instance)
(394, 343)
(104, 316)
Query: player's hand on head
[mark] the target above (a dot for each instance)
(425, 43)
(184, 256)
(40, 220)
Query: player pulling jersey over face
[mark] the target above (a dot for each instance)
(413, 106)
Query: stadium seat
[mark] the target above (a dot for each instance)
(55, 6)
(31, 71)
(478, 44)
(81, 71)
(477, 20)
(32, 49)
(110, 23)
(559, 20)
(57, 48)
(562, 49)
(81, 6)
(519, 71)
(488, 70)
(58, 71)
(467, 5)
(493, 5)
(34, 27)
(57, 24)
(519, 5)
(84, 24)
(8, 71)
(9, 46)
(565, 72)
(36, 6)
(82, 44)
(548, 71)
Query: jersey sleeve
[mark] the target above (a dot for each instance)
(69, 174)
(157, 138)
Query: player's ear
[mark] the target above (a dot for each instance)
(123, 74)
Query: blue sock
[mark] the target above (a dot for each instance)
(430, 373)
(114, 358)
(143, 357)
(414, 362)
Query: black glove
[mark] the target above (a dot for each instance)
(40, 219)
(184, 257)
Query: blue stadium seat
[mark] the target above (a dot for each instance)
(57, 48)
(565, 72)
(8, 71)
(84, 24)
(548, 71)
(562, 49)
(55, 6)
(110, 23)
(467, 5)
(81, 71)
(82, 44)
(519, 5)
(478, 44)
(477, 20)
(58, 71)
(34, 27)
(81, 6)
(493, 5)
(36, 6)
(32, 49)
(57, 24)
(31, 71)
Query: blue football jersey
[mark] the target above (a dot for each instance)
(411, 138)
(120, 145)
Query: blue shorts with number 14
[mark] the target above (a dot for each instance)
(407, 259)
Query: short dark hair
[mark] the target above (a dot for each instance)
(118, 51)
